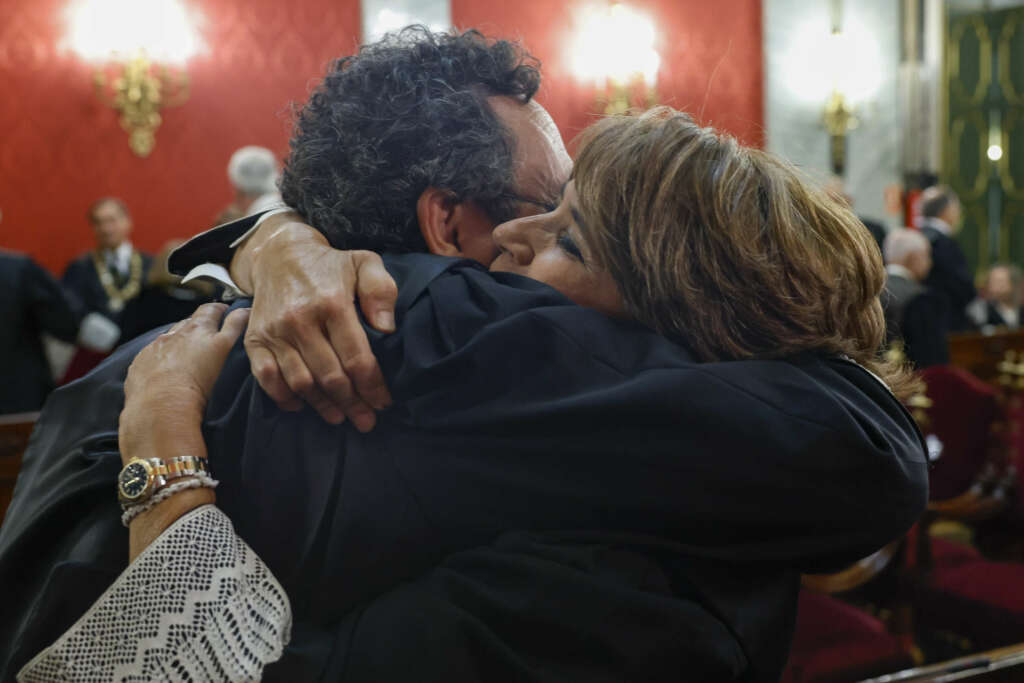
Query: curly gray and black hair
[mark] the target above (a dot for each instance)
(406, 113)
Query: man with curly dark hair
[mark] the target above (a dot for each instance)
(414, 111)
(419, 142)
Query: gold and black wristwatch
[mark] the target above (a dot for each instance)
(140, 479)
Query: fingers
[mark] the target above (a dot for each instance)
(375, 290)
(307, 342)
(266, 371)
(205, 317)
(359, 365)
(208, 316)
(322, 367)
(233, 326)
(300, 381)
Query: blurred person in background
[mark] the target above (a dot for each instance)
(31, 303)
(253, 172)
(1000, 302)
(105, 279)
(914, 316)
(164, 299)
(950, 276)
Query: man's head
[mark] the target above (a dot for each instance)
(1003, 285)
(110, 221)
(942, 203)
(910, 249)
(253, 171)
(425, 142)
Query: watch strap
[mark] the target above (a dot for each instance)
(164, 472)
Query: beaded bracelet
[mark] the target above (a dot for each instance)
(199, 481)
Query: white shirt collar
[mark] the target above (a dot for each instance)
(900, 271)
(1008, 313)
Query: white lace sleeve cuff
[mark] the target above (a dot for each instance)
(197, 605)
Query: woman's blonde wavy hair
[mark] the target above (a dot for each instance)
(729, 249)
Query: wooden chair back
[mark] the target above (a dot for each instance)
(1003, 665)
(981, 354)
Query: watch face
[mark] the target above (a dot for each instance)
(133, 480)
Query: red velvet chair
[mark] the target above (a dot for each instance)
(978, 599)
(966, 416)
(956, 589)
(836, 643)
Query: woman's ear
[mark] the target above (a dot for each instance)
(435, 210)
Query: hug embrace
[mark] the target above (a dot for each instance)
(495, 414)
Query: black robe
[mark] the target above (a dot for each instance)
(31, 303)
(950, 276)
(555, 496)
(918, 317)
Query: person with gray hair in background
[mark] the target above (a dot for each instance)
(914, 315)
(950, 277)
(253, 172)
(1000, 302)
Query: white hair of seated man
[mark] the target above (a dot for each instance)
(903, 244)
(253, 171)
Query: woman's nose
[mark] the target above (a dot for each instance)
(512, 237)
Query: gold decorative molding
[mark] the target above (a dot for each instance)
(1013, 23)
(960, 123)
(1010, 210)
(960, 27)
(1014, 117)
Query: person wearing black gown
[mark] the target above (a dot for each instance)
(556, 494)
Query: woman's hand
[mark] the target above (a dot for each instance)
(170, 381)
(305, 340)
(166, 390)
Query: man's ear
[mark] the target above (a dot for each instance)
(454, 228)
(435, 210)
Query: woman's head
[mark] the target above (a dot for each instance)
(724, 248)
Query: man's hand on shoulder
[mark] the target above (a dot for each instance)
(305, 340)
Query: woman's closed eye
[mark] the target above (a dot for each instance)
(568, 245)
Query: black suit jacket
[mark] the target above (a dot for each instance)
(554, 496)
(950, 277)
(919, 318)
(31, 302)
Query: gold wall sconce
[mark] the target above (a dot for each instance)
(139, 49)
(839, 119)
(832, 73)
(138, 92)
(613, 49)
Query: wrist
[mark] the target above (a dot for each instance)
(148, 525)
(155, 429)
(281, 237)
(287, 225)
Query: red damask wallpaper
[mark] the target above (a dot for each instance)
(711, 62)
(61, 148)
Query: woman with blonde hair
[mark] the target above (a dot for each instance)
(723, 248)
(608, 459)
